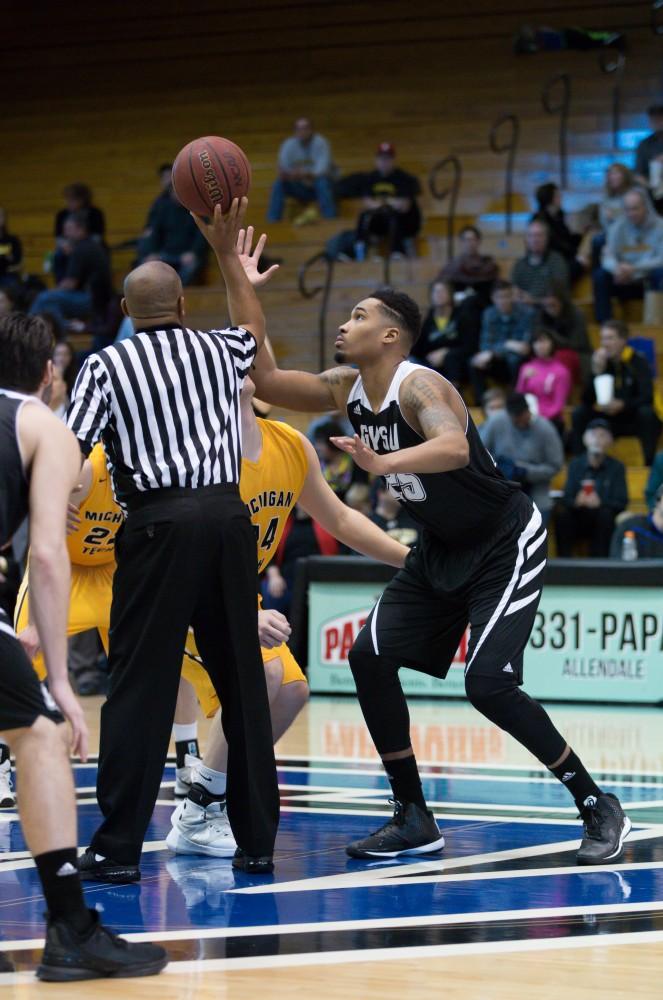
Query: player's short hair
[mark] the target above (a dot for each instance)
(617, 326)
(26, 346)
(401, 310)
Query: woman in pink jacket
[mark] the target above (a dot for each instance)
(546, 378)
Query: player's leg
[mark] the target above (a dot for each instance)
(77, 946)
(502, 610)
(409, 626)
(185, 735)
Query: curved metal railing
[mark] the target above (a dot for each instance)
(451, 191)
(310, 292)
(561, 81)
(508, 145)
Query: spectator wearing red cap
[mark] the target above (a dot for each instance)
(390, 205)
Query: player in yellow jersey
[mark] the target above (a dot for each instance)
(279, 469)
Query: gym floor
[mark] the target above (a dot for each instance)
(503, 911)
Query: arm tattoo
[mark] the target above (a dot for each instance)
(339, 381)
(423, 398)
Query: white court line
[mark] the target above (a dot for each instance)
(386, 954)
(379, 923)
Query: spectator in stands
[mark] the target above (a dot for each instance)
(449, 334)
(390, 206)
(595, 493)
(633, 255)
(562, 240)
(526, 448)
(305, 173)
(651, 148)
(618, 180)
(506, 330)
(540, 268)
(647, 528)
(470, 268)
(64, 359)
(176, 239)
(654, 480)
(567, 325)
(630, 409)
(338, 468)
(546, 378)
(392, 517)
(165, 174)
(11, 254)
(301, 537)
(358, 498)
(493, 401)
(8, 301)
(86, 287)
(78, 201)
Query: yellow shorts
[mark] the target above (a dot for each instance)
(89, 604)
(194, 672)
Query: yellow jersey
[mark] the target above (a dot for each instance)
(271, 486)
(93, 543)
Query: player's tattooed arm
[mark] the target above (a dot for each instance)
(428, 410)
(300, 390)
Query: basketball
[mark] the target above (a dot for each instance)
(210, 171)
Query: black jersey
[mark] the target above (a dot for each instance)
(459, 507)
(14, 486)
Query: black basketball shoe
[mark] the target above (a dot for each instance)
(252, 865)
(606, 827)
(97, 954)
(411, 830)
(106, 870)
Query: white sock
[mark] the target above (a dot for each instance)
(184, 733)
(212, 781)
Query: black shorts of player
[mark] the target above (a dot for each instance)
(22, 698)
(495, 587)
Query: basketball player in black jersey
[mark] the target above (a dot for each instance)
(480, 561)
(39, 466)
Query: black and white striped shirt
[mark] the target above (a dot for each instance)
(165, 403)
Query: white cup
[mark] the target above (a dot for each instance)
(604, 387)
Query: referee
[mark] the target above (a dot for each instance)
(166, 406)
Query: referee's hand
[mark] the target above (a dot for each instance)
(68, 703)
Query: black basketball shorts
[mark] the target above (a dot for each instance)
(421, 617)
(22, 698)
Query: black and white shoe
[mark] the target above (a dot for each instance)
(411, 830)
(94, 869)
(606, 827)
(97, 954)
(252, 864)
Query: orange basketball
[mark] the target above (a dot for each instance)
(210, 171)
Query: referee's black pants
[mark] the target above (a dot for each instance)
(184, 557)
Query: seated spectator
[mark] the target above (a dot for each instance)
(358, 498)
(390, 515)
(78, 201)
(654, 480)
(11, 254)
(165, 174)
(649, 150)
(633, 255)
(594, 494)
(540, 268)
(493, 401)
(58, 397)
(85, 289)
(301, 537)
(629, 409)
(64, 359)
(546, 378)
(470, 268)
(390, 206)
(449, 334)
(305, 173)
(338, 468)
(8, 301)
(618, 180)
(648, 531)
(526, 448)
(176, 239)
(562, 240)
(568, 327)
(506, 329)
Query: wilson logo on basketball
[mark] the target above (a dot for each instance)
(209, 177)
(338, 635)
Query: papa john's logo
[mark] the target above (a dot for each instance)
(338, 635)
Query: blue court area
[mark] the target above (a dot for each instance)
(507, 872)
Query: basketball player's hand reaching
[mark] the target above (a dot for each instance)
(364, 456)
(222, 231)
(64, 697)
(250, 261)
